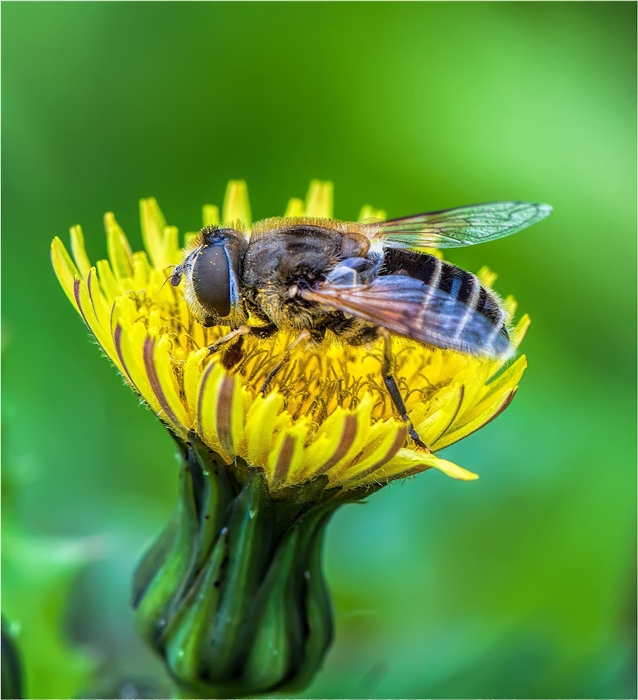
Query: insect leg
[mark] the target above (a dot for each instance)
(235, 353)
(387, 370)
(304, 335)
(242, 330)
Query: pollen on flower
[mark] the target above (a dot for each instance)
(326, 412)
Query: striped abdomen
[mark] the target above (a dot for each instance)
(457, 284)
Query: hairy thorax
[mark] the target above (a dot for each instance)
(278, 265)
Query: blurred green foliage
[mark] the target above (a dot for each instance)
(521, 584)
(38, 573)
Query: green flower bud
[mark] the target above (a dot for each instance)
(232, 595)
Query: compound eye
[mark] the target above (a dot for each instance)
(211, 279)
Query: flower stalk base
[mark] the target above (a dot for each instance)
(231, 594)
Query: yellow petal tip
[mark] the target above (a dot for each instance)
(236, 204)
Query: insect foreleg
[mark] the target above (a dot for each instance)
(242, 330)
(387, 370)
(303, 336)
(234, 354)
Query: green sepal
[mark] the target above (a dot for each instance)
(191, 626)
(160, 578)
(278, 634)
(232, 595)
(317, 604)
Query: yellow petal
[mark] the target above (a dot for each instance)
(486, 276)
(295, 208)
(172, 251)
(141, 270)
(210, 215)
(468, 427)
(79, 251)
(430, 427)
(219, 409)
(509, 378)
(87, 308)
(454, 471)
(287, 454)
(386, 439)
(451, 403)
(474, 403)
(473, 379)
(120, 254)
(110, 286)
(162, 380)
(236, 204)
(192, 375)
(370, 214)
(520, 330)
(340, 438)
(206, 426)
(509, 305)
(319, 200)
(260, 426)
(100, 306)
(153, 225)
(64, 268)
(128, 341)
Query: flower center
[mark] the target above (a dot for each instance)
(316, 379)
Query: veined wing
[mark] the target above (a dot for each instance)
(418, 311)
(452, 228)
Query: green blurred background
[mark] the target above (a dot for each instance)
(519, 585)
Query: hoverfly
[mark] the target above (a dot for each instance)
(358, 280)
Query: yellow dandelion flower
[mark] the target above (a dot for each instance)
(264, 471)
(327, 413)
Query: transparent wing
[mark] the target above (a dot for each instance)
(418, 311)
(452, 228)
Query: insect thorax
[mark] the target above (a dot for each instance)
(279, 263)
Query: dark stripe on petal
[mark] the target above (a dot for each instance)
(76, 294)
(284, 458)
(348, 435)
(397, 444)
(151, 373)
(88, 286)
(399, 440)
(454, 415)
(224, 414)
(506, 402)
(117, 342)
